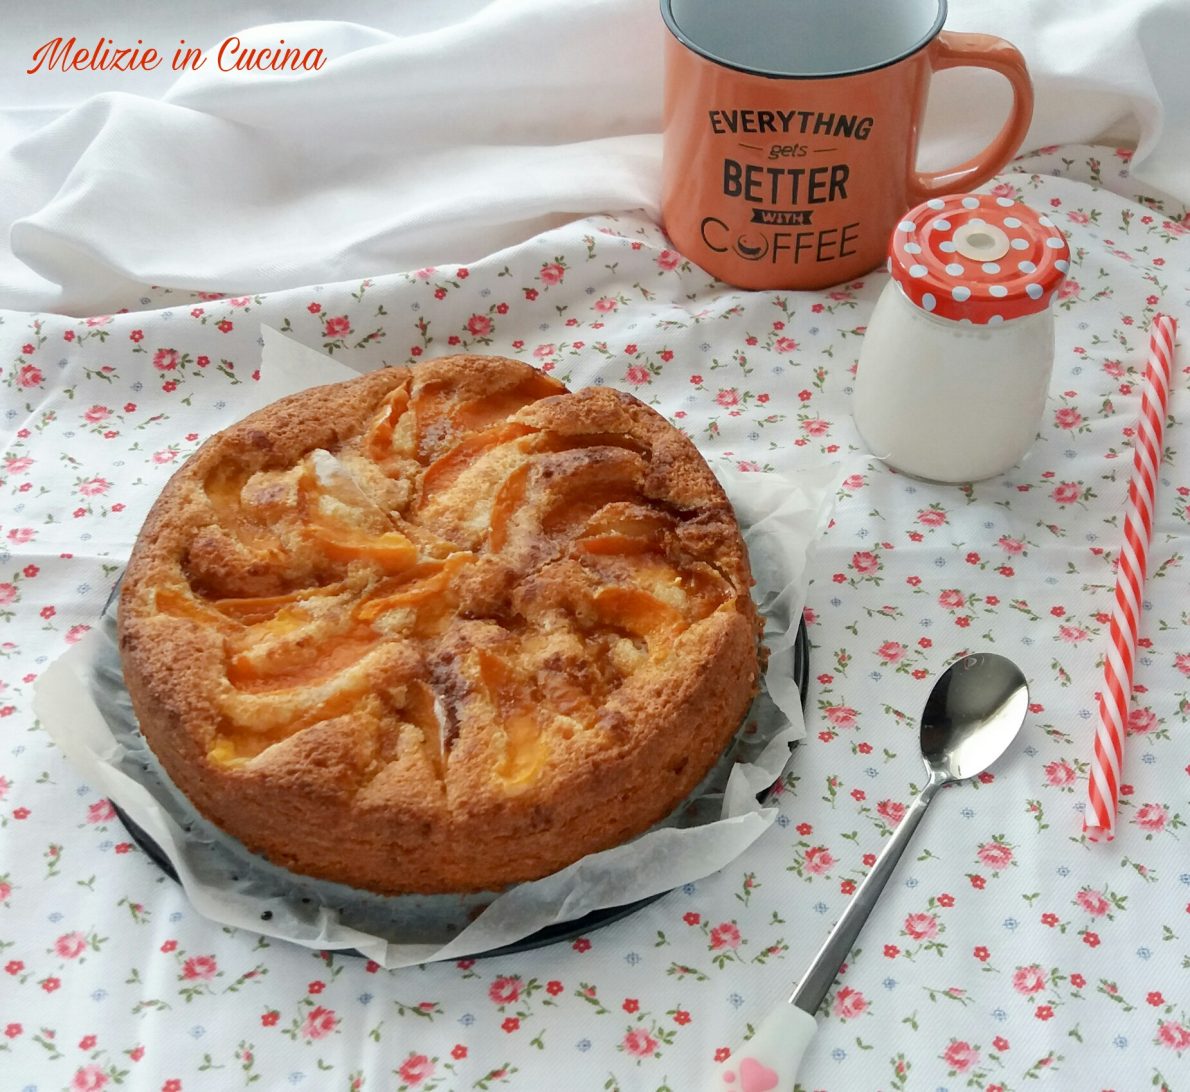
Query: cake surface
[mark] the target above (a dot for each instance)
(440, 628)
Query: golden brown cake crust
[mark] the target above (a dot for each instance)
(439, 629)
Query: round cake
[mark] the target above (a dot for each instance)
(441, 628)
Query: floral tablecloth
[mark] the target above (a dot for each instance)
(1008, 953)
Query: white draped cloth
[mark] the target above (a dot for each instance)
(445, 135)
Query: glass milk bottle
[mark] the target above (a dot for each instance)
(957, 357)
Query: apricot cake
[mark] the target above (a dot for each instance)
(442, 628)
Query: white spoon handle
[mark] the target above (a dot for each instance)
(770, 1059)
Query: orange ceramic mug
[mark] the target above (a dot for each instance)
(791, 131)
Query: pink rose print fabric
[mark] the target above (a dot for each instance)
(1008, 953)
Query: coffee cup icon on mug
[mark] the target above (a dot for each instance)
(791, 127)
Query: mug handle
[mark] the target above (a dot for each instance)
(955, 50)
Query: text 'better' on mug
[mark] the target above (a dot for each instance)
(791, 131)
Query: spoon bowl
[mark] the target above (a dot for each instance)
(973, 713)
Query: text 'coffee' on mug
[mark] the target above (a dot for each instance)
(791, 131)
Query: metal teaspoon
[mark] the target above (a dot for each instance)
(973, 713)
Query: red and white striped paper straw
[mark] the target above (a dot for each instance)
(1099, 820)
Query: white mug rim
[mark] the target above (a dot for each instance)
(751, 70)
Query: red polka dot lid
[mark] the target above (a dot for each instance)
(978, 258)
